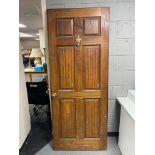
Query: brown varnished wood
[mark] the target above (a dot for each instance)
(97, 40)
(65, 41)
(66, 67)
(69, 13)
(64, 27)
(91, 65)
(78, 26)
(79, 94)
(92, 108)
(83, 144)
(105, 23)
(78, 68)
(105, 46)
(79, 77)
(55, 108)
(68, 118)
(92, 26)
(80, 118)
(78, 30)
(86, 40)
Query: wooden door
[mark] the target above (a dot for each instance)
(79, 77)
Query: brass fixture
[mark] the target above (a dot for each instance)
(78, 40)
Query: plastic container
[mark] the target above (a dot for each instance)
(38, 68)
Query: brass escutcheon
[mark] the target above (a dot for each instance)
(78, 40)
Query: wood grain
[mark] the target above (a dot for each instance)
(64, 27)
(67, 118)
(66, 67)
(91, 65)
(78, 26)
(92, 108)
(92, 26)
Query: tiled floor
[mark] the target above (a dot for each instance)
(39, 136)
(112, 149)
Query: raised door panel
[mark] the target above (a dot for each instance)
(92, 26)
(91, 66)
(68, 118)
(92, 120)
(66, 67)
(64, 27)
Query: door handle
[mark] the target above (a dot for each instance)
(54, 94)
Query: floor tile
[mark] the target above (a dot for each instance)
(39, 136)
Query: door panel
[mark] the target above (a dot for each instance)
(66, 67)
(79, 77)
(92, 26)
(68, 123)
(91, 65)
(92, 114)
(64, 27)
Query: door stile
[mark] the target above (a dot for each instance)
(54, 82)
(80, 126)
(104, 71)
(78, 68)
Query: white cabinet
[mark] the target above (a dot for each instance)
(127, 124)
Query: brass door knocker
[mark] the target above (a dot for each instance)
(78, 41)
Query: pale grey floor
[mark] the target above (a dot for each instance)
(112, 149)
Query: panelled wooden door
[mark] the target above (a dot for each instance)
(78, 55)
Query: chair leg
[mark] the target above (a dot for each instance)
(48, 112)
(35, 111)
(38, 107)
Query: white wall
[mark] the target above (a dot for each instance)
(29, 43)
(30, 13)
(42, 43)
(42, 38)
(24, 116)
(44, 18)
(121, 47)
